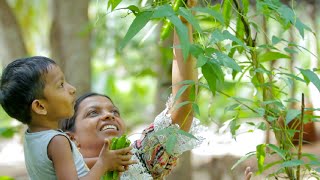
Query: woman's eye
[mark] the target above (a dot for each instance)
(92, 113)
(116, 113)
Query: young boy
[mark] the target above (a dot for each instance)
(34, 91)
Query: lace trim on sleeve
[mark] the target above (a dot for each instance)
(184, 143)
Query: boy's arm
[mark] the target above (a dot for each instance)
(59, 151)
(182, 70)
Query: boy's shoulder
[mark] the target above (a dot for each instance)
(46, 135)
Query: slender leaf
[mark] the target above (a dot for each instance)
(163, 11)
(180, 92)
(184, 133)
(291, 114)
(228, 62)
(196, 108)
(172, 140)
(201, 60)
(276, 149)
(138, 23)
(187, 14)
(292, 163)
(243, 158)
(310, 76)
(271, 56)
(217, 15)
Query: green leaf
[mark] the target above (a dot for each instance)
(163, 11)
(276, 149)
(291, 114)
(261, 154)
(292, 163)
(227, 11)
(6, 178)
(243, 158)
(287, 14)
(184, 133)
(196, 108)
(182, 32)
(187, 14)
(134, 9)
(218, 36)
(301, 27)
(228, 62)
(172, 140)
(234, 126)
(271, 56)
(231, 107)
(275, 40)
(7, 132)
(182, 104)
(217, 15)
(294, 77)
(185, 82)
(310, 76)
(138, 23)
(180, 92)
(113, 4)
(213, 74)
(201, 60)
(290, 50)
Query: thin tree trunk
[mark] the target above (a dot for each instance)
(11, 42)
(70, 44)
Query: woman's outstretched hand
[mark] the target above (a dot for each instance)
(248, 173)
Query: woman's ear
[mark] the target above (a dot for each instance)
(38, 107)
(73, 139)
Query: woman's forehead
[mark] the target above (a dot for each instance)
(95, 101)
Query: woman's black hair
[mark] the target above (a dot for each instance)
(69, 124)
(23, 81)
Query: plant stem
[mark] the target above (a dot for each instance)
(300, 135)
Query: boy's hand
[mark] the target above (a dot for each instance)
(115, 160)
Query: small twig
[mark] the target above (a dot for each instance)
(300, 135)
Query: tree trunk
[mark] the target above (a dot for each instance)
(11, 42)
(70, 44)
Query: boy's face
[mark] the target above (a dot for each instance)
(59, 96)
(97, 119)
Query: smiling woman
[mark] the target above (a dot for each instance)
(96, 118)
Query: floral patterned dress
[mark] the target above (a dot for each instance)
(154, 160)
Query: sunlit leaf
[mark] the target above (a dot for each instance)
(7, 132)
(138, 23)
(270, 56)
(261, 154)
(227, 11)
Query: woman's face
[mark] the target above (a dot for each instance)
(97, 119)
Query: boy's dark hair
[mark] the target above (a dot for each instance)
(22, 82)
(69, 124)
